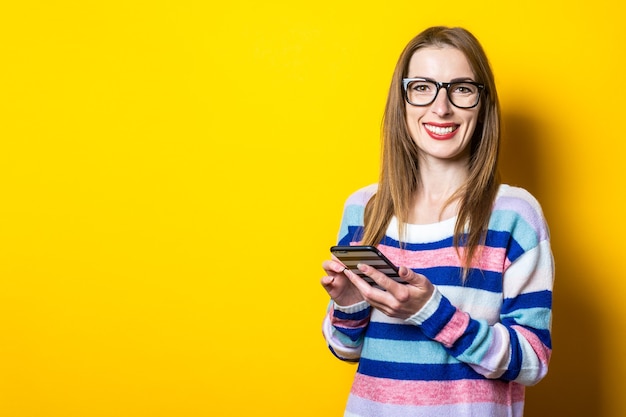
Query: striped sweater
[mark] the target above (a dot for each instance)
(475, 345)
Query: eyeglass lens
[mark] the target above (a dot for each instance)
(421, 93)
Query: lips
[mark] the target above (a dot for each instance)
(441, 131)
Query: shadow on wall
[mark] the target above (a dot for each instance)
(573, 386)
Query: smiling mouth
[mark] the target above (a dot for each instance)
(440, 130)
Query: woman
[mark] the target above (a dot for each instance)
(471, 326)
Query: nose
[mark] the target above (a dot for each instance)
(441, 106)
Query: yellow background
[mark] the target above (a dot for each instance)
(172, 174)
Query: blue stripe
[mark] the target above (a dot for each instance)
(466, 340)
(351, 234)
(406, 332)
(417, 372)
(544, 336)
(353, 334)
(359, 315)
(514, 251)
(393, 243)
(438, 320)
(445, 243)
(528, 300)
(451, 276)
(495, 239)
(515, 364)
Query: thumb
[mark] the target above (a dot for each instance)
(411, 277)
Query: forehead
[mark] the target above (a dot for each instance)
(440, 63)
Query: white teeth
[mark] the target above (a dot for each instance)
(440, 130)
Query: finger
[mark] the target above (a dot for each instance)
(327, 280)
(363, 286)
(395, 291)
(409, 276)
(377, 294)
(379, 278)
(416, 280)
(331, 285)
(331, 266)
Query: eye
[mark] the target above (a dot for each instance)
(464, 89)
(421, 87)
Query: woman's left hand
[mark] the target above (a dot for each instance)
(399, 300)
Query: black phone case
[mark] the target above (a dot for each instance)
(351, 256)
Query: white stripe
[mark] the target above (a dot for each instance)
(422, 233)
(345, 352)
(532, 272)
(479, 304)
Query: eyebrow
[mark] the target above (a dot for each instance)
(454, 80)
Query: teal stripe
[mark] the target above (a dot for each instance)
(509, 221)
(345, 340)
(479, 347)
(353, 216)
(536, 317)
(401, 351)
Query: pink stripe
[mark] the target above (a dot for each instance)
(454, 329)
(347, 324)
(490, 259)
(543, 352)
(427, 393)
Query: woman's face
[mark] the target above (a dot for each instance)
(441, 130)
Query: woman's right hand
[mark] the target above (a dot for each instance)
(337, 284)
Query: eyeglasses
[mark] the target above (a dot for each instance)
(422, 92)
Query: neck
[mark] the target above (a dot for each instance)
(442, 178)
(438, 184)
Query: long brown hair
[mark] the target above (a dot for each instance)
(399, 175)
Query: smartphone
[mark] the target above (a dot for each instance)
(351, 256)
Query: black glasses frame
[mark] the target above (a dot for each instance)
(440, 85)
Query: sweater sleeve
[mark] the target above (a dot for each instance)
(352, 220)
(517, 347)
(344, 326)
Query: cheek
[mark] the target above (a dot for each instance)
(413, 127)
(473, 123)
(471, 127)
(412, 119)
